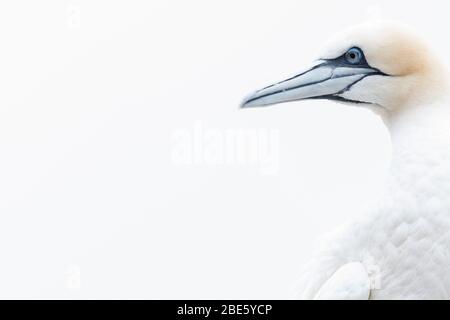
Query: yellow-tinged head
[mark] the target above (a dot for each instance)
(379, 64)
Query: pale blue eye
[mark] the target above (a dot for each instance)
(354, 56)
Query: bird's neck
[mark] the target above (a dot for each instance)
(422, 129)
(421, 149)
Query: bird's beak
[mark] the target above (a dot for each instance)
(325, 79)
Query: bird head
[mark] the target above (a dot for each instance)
(381, 65)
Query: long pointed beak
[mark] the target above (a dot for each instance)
(323, 80)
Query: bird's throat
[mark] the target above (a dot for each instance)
(421, 152)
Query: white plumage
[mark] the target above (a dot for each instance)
(401, 248)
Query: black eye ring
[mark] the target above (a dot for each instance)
(354, 56)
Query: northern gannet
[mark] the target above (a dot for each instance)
(401, 248)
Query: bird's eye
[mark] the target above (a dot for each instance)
(354, 56)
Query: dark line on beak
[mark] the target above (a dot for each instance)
(340, 99)
(296, 87)
(313, 83)
(335, 96)
(288, 89)
(352, 84)
(293, 77)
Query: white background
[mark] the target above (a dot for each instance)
(92, 94)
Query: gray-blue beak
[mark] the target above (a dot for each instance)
(326, 79)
